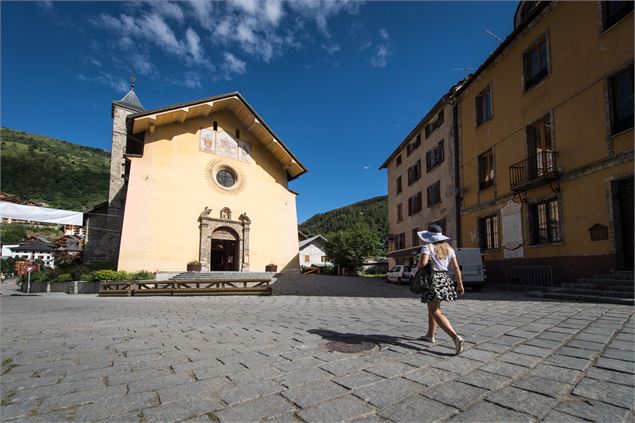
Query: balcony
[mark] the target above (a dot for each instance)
(534, 171)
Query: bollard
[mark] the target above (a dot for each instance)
(76, 287)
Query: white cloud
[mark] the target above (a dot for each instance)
(234, 64)
(194, 44)
(331, 48)
(192, 79)
(273, 11)
(168, 10)
(201, 32)
(105, 78)
(382, 50)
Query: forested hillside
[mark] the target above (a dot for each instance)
(61, 174)
(373, 212)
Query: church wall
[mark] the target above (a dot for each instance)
(173, 182)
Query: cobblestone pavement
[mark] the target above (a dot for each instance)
(84, 358)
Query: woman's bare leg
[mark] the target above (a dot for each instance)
(432, 325)
(434, 308)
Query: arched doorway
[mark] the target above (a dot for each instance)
(224, 251)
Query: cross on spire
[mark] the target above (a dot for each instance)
(132, 81)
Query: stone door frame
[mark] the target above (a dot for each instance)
(207, 227)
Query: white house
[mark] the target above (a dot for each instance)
(312, 252)
(35, 250)
(6, 250)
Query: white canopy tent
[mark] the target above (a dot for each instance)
(40, 214)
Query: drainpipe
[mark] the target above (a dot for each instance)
(455, 129)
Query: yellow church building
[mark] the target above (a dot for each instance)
(206, 181)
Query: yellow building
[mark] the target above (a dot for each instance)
(204, 180)
(546, 143)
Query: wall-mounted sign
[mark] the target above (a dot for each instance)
(223, 144)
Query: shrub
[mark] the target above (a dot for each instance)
(87, 277)
(141, 275)
(77, 271)
(39, 277)
(109, 275)
(64, 277)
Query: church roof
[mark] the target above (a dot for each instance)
(234, 102)
(130, 101)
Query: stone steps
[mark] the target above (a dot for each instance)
(622, 275)
(613, 288)
(215, 276)
(588, 297)
(599, 286)
(596, 292)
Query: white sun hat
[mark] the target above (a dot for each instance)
(432, 235)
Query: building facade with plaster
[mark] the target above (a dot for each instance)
(546, 143)
(204, 181)
(421, 182)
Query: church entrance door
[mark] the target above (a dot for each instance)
(224, 254)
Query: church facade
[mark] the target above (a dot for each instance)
(202, 181)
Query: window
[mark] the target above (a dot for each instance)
(434, 193)
(400, 241)
(414, 172)
(434, 157)
(486, 170)
(414, 204)
(544, 222)
(484, 106)
(540, 160)
(399, 213)
(535, 63)
(226, 178)
(621, 86)
(432, 126)
(399, 188)
(614, 11)
(323, 259)
(413, 145)
(398, 160)
(415, 237)
(488, 232)
(307, 258)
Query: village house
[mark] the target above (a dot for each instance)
(34, 249)
(312, 253)
(546, 144)
(421, 182)
(205, 180)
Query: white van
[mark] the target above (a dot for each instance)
(472, 265)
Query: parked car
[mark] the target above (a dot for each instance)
(399, 274)
(472, 265)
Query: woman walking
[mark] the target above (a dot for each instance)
(437, 250)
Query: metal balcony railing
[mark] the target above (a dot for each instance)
(534, 171)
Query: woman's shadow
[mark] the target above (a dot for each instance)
(381, 340)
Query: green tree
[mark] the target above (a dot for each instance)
(350, 248)
(12, 232)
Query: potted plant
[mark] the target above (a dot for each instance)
(271, 268)
(194, 266)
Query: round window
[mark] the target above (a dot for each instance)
(226, 178)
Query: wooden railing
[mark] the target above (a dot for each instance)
(311, 270)
(196, 287)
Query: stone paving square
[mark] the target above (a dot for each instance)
(81, 358)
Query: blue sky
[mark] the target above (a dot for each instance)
(342, 83)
